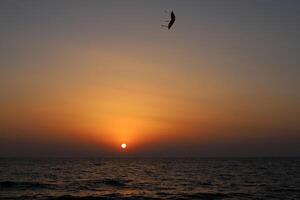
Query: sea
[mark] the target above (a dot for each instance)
(149, 178)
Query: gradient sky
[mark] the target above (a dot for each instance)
(78, 78)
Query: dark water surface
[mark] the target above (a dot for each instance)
(257, 178)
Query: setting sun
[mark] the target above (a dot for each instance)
(123, 146)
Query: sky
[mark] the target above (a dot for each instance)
(79, 78)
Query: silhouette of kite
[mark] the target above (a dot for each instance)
(171, 22)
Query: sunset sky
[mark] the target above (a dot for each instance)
(79, 78)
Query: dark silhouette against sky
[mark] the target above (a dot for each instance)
(171, 21)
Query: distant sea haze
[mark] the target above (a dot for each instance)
(206, 178)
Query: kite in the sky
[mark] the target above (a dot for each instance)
(171, 22)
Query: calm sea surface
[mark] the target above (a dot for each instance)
(260, 178)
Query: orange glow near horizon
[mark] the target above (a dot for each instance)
(82, 81)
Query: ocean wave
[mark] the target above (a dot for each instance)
(105, 197)
(204, 183)
(99, 184)
(204, 195)
(107, 182)
(114, 182)
(24, 185)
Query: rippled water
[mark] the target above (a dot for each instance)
(267, 178)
